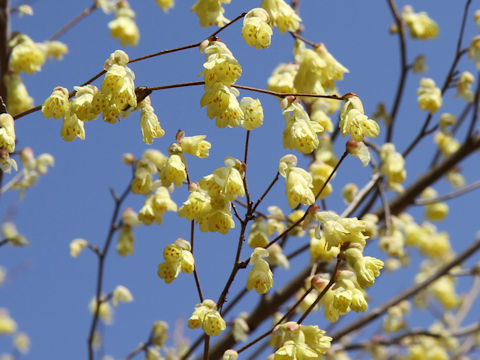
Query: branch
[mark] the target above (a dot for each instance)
(449, 196)
(101, 263)
(74, 21)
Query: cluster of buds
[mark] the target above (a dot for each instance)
(429, 96)
(178, 257)
(207, 316)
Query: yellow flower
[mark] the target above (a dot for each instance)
(308, 78)
(207, 316)
(253, 113)
(256, 30)
(220, 65)
(463, 86)
(300, 133)
(319, 250)
(123, 27)
(25, 55)
(320, 173)
(221, 101)
(7, 324)
(299, 187)
(420, 25)
(225, 182)
(72, 127)
(121, 294)
(159, 332)
(18, 99)
(165, 5)
(392, 167)
(474, 51)
(197, 203)
(56, 105)
(174, 171)
(142, 181)
(7, 132)
(210, 12)
(149, 122)
(318, 114)
(217, 217)
(282, 15)
(282, 78)
(11, 234)
(258, 236)
(105, 311)
(366, 268)
(429, 96)
(82, 103)
(126, 241)
(196, 146)
(55, 49)
(155, 206)
(353, 121)
(446, 143)
(21, 341)
(260, 277)
(76, 247)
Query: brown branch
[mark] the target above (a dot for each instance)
(101, 263)
(380, 310)
(74, 21)
(403, 68)
(449, 196)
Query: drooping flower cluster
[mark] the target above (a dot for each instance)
(260, 277)
(12, 236)
(392, 167)
(282, 15)
(464, 86)
(474, 51)
(298, 182)
(7, 142)
(429, 96)
(421, 26)
(300, 132)
(256, 29)
(207, 316)
(434, 211)
(318, 69)
(126, 238)
(123, 27)
(353, 120)
(300, 342)
(209, 202)
(210, 12)
(221, 70)
(178, 257)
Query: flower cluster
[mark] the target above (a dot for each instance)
(282, 15)
(116, 96)
(421, 26)
(207, 316)
(178, 257)
(429, 95)
(353, 120)
(298, 182)
(464, 86)
(300, 341)
(392, 167)
(256, 29)
(210, 12)
(123, 27)
(126, 238)
(260, 277)
(209, 202)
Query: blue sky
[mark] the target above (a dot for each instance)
(47, 292)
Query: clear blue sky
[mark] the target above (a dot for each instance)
(47, 292)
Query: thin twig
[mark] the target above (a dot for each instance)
(74, 21)
(101, 263)
(449, 196)
(403, 69)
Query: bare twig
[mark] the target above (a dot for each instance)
(74, 21)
